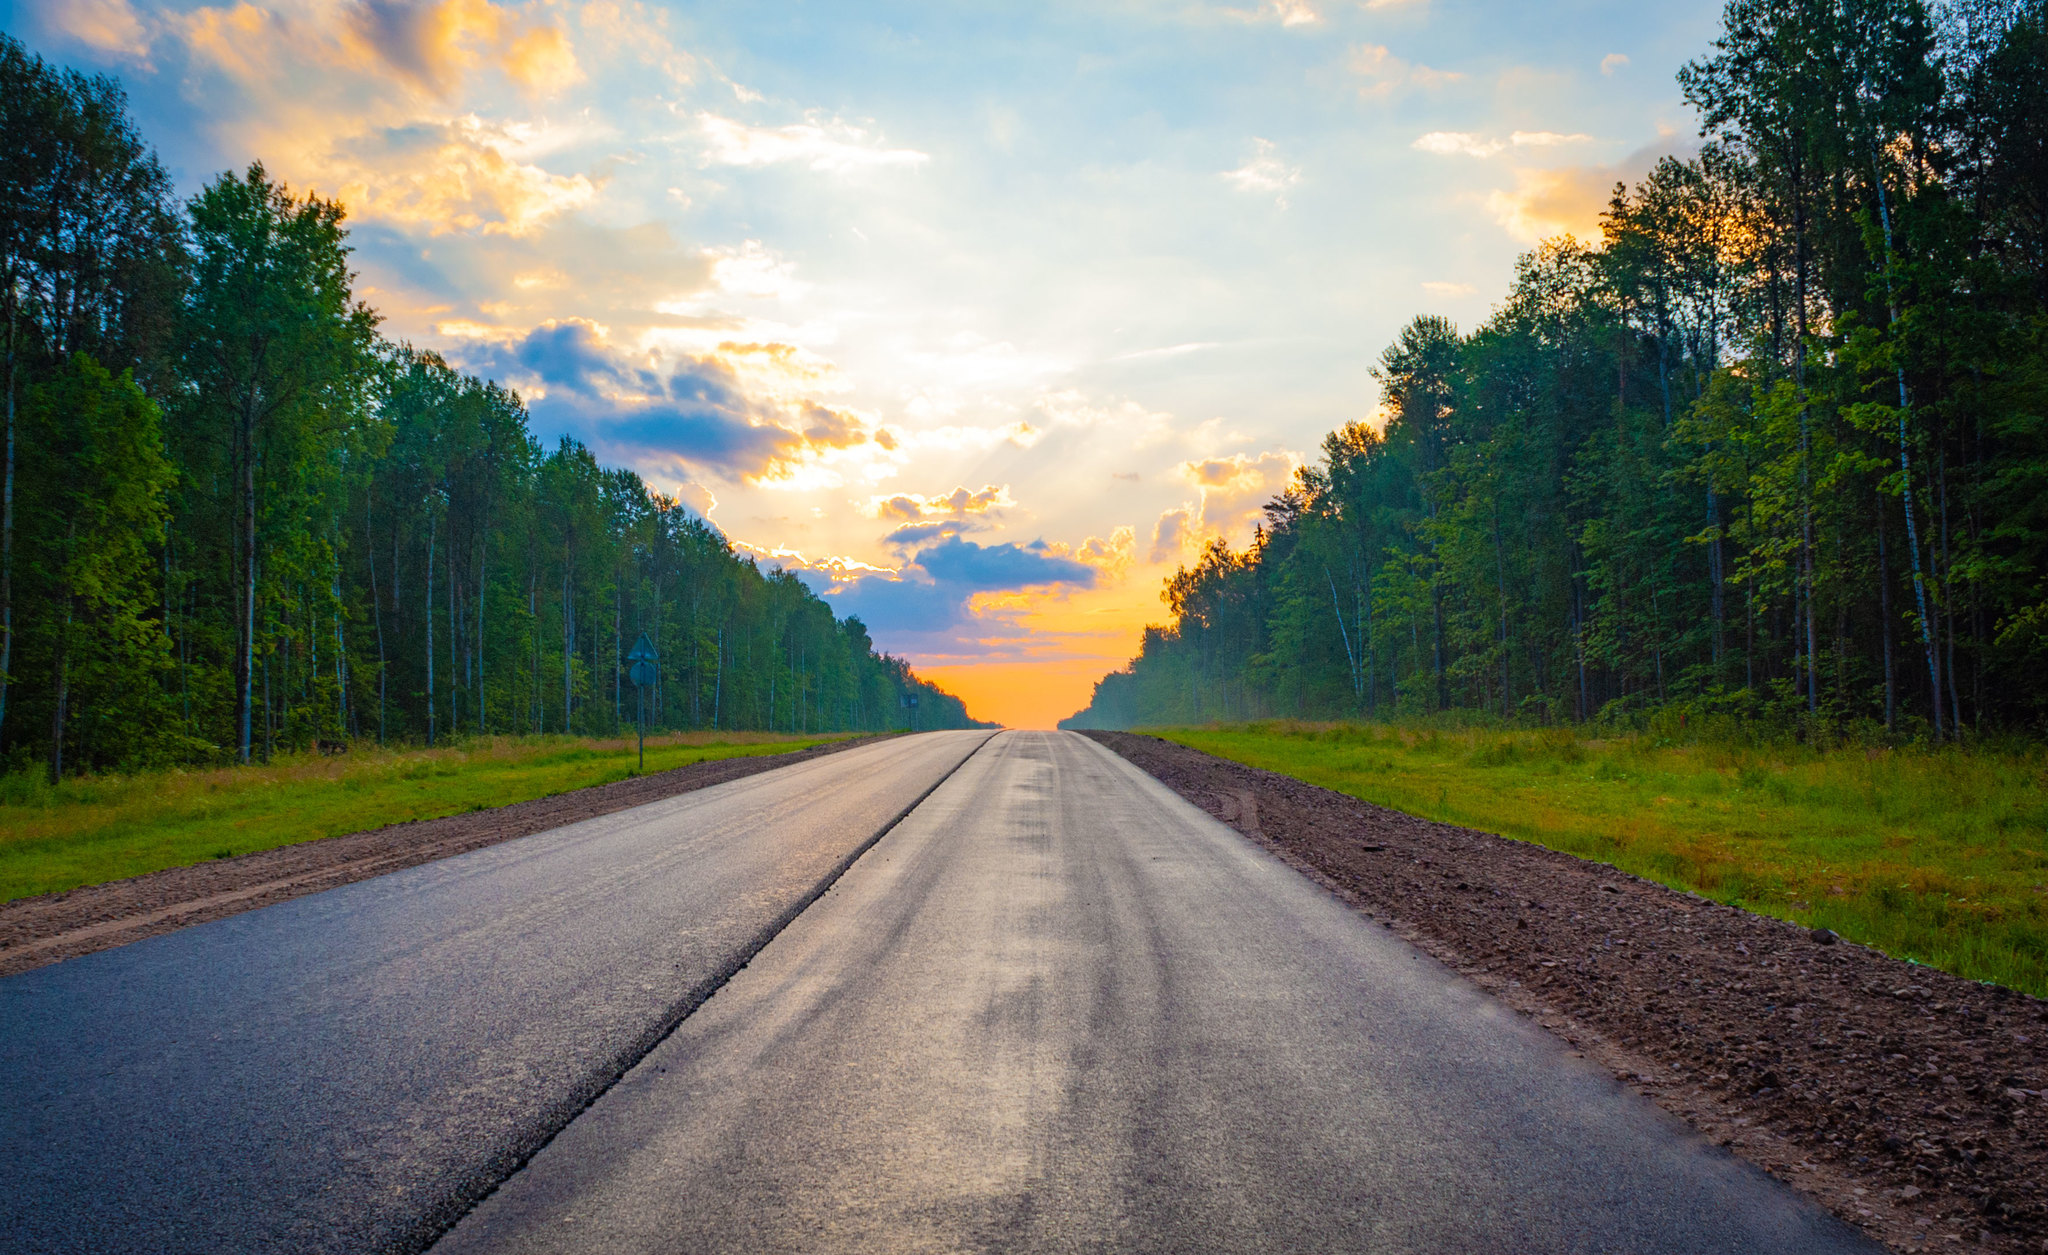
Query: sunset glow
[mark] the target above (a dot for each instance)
(982, 323)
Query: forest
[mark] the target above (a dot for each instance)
(1772, 451)
(238, 521)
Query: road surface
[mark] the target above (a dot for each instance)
(1059, 1009)
(348, 1071)
(1054, 1008)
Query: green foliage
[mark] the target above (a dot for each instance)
(90, 830)
(1932, 855)
(275, 531)
(1774, 450)
(94, 498)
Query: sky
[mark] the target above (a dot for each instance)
(982, 318)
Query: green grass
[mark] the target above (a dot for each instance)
(102, 828)
(1940, 857)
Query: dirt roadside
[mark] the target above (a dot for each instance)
(1907, 1101)
(36, 931)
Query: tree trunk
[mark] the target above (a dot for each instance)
(1884, 611)
(533, 719)
(340, 645)
(1500, 576)
(483, 566)
(1715, 572)
(455, 637)
(568, 645)
(248, 686)
(61, 668)
(1749, 634)
(427, 605)
(1948, 589)
(1372, 663)
(1443, 682)
(268, 726)
(1805, 439)
(376, 612)
(1337, 607)
(7, 523)
(1906, 481)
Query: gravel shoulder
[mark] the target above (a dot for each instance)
(1909, 1102)
(46, 929)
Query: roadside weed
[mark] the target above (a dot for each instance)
(94, 829)
(1938, 856)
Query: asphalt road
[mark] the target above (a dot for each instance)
(1059, 1009)
(349, 1071)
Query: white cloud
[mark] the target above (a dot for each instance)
(1612, 62)
(1466, 143)
(828, 145)
(1439, 287)
(1171, 350)
(1384, 73)
(754, 272)
(1285, 12)
(1265, 172)
(1451, 142)
(1173, 534)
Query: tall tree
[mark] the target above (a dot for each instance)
(96, 494)
(278, 353)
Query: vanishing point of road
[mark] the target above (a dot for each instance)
(950, 992)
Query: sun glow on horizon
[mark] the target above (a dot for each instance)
(981, 327)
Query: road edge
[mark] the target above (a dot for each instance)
(1858, 1169)
(51, 928)
(443, 1217)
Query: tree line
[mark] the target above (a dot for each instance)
(236, 520)
(1775, 447)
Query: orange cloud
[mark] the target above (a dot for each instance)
(1111, 556)
(1237, 473)
(542, 60)
(104, 26)
(959, 503)
(460, 177)
(1568, 200)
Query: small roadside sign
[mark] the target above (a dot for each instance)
(643, 673)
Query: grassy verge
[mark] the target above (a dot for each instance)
(89, 831)
(1939, 857)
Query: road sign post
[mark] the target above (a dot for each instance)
(643, 674)
(909, 702)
